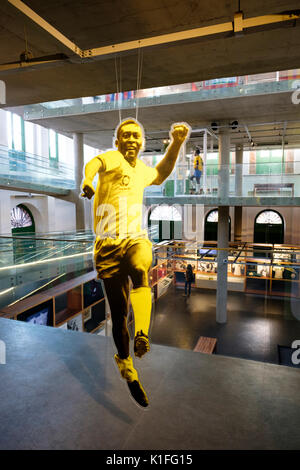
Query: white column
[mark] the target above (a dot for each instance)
(78, 171)
(239, 170)
(3, 128)
(45, 142)
(204, 161)
(238, 210)
(224, 155)
(223, 226)
(223, 235)
(5, 226)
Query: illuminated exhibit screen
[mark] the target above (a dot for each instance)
(39, 318)
(39, 315)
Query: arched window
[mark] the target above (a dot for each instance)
(213, 216)
(165, 223)
(269, 227)
(21, 219)
(269, 217)
(165, 212)
(211, 226)
(22, 222)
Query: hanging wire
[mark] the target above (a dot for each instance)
(121, 88)
(137, 84)
(118, 80)
(139, 79)
(26, 42)
(26, 54)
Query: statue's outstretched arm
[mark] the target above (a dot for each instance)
(91, 169)
(179, 133)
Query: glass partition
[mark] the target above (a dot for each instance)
(18, 167)
(232, 180)
(263, 289)
(29, 263)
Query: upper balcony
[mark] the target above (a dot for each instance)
(26, 171)
(267, 119)
(247, 184)
(207, 90)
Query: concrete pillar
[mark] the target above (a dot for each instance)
(223, 170)
(238, 210)
(239, 170)
(78, 169)
(222, 260)
(238, 222)
(5, 226)
(223, 225)
(204, 176)
(45, 142)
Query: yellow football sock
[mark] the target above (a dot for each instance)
(126, 368)
(141, 302)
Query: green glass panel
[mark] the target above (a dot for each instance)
(169, 187)
(268, 162)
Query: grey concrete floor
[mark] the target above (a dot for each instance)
(254, 328)
(61, 390)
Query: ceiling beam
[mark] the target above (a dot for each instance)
(45, 25)
(236, 26)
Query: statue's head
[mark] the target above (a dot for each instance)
(129, 139)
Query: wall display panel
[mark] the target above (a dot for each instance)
(41, 314)
(60, 306)
(92, 292)
(75, 324)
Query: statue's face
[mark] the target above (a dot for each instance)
(130, 141)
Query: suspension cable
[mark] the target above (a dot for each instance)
(118, 80)
(139, 79)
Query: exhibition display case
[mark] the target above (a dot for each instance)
(272, 270)
(79, 303)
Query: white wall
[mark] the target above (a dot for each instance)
(3, 126)
(5, 227)
(50, 214)
(38, 207)
(61, 215)
(291, 216)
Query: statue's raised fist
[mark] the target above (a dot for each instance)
(180, 131)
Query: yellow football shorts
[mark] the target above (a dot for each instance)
(109, 254)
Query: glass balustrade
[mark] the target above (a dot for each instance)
(267, 276)
(29, 263)
(17, 167)
(234, 180)
(229, 87)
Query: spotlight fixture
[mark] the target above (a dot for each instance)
(234, 125)
(252, 143)
(214, 126)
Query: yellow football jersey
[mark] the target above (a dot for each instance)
(198, 163)
(119, 196)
